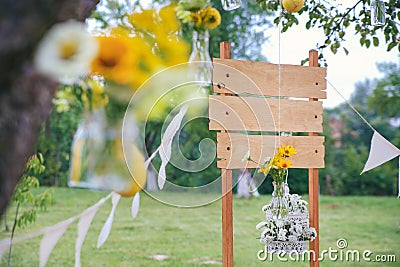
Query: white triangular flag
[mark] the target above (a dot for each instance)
(83, 227)
(50, 238)
(105, 232)
(135, 205)
(166, 142)
(380, 152)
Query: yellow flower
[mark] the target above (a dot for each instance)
(115, 60)
(211, 17)
(168, 22)
(197, 20)
(173, 50)
(143, 20)
(284, 163)
(264, 169)
(287, 151)
(94, 97)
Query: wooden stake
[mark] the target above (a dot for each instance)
(226, 174)
(313, 187)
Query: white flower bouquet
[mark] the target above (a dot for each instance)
(288, 234)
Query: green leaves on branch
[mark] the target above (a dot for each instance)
(338, 19)
(25, 195)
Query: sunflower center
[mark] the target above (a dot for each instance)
(68, 49)
(108, 62)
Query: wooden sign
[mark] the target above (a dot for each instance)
(256, 101)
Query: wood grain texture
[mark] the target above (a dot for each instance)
(232, 147)
(313, 183)
(227, 219)
(262, 78)
(227, 209)
(262, 114)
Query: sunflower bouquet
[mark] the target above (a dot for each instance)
(103, 70)
(199, 14)
(278, 165)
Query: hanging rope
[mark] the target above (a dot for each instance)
(279, 73)
(350, 105)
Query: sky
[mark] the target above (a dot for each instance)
(343, 71)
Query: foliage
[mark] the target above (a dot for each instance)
(347, 146)
(386, 95)
(343, 155)
(55, 140)
(24, 194)
(337, 22)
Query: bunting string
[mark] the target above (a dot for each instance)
(350, 105)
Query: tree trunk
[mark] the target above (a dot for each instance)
(25, 96)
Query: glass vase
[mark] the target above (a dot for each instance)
(231, 4)
(200, 59)
(278, 203)
(378, 13)
(101, 160)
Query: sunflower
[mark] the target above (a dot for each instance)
(115, 59)
(196, 19)
(287, 151)
(211, 17)
(284, 163)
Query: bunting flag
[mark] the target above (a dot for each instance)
(83, 226)
(135, 205)
(105, 232)
(50, 238)
(164, 150)
(380, 152)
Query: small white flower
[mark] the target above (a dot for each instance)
(292, 238)
(265, 232)
(280, 223)
(66, 51)
(260, 225)
(282, 235)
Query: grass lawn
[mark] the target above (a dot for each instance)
(192, 237)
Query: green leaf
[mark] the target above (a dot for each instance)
(391, 46)
(367, 43)
(375, 40)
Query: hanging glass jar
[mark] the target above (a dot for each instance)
(100, 158)
(200, 59)
(231, 4)
(378, 13)
(278, 203)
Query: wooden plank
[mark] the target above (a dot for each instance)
(262, 114)
(227, 210)
(232, 147)
(313, 186)
(261, 78)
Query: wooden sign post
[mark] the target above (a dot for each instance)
(267, 98)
